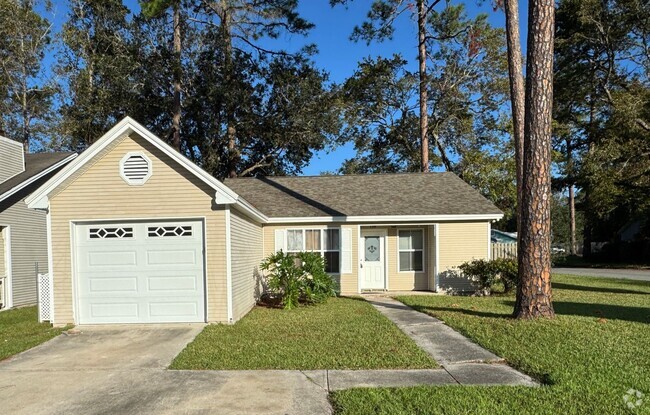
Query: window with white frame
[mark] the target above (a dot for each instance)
(324, 241)
(411, 250)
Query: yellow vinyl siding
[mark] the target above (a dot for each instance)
(349, 283)
(97, 192)
(460, 242)
(246, 252)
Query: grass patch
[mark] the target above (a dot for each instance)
(20, 330)
(588, 357)
(343, 333)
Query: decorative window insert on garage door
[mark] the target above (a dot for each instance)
(139, 272)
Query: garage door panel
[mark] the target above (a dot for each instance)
(172, 283)
(171, 257)
(140, 277)
(175, 309)
(113, 310)
(111, 259)
(111, 285)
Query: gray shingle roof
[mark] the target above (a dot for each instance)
(34, 164)
(362, 195)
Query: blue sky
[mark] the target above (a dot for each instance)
(339, 55)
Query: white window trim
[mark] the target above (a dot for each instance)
(322, 249)
(139, 182)
(424, 250)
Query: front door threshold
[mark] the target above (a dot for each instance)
(374, 291)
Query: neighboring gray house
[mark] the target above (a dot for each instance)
(23, 236)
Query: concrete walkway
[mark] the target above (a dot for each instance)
(122, 370)
(631, 274)
(465, 362)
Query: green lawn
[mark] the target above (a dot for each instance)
(20, 330)
(344, 333)
(596, 349)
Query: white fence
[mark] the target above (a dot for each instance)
(45, 298)
(504, 250)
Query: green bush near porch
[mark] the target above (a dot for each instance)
(343, 333)
(20, 330)
(588, 358)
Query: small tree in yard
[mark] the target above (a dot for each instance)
(298, 278)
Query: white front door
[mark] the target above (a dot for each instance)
(140, 272)
(372, 259)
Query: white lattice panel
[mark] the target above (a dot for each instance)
(45, 298)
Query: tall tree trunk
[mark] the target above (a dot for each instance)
(572, 218)
(25, 111)
(422, 58)
(534, 298)
(231, 130)
(586, 231)
(517, 92)
(586, 188)
(176, 117)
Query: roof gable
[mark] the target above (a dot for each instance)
(128, 126)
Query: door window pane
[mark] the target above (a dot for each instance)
(372, 248)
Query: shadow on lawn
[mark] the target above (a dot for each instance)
(606, 311)
(563, 286)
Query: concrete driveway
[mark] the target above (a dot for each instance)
(122, 370)
(632, 274)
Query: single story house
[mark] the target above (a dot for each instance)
(140, 234)
(23, 241)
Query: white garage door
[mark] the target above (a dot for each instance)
(141, 272)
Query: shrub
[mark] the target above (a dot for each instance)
(298, 278)
(485, 274)
(507, 271)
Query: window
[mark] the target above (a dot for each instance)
(324, 241)
(135, 168)
(162, 231)
(411, 250)
(331, 252)
(110, 233)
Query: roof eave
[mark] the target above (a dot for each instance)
(37, 176)
(387, 218)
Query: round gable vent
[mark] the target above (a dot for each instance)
(135, 168)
